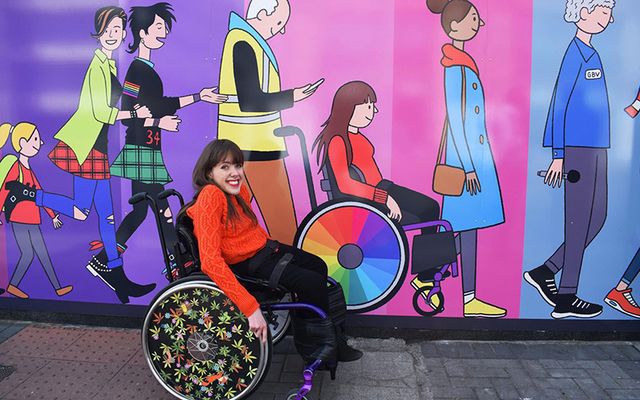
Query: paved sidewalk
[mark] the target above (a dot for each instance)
(54, 362)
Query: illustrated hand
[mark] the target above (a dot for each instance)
(169, 123)
(472, 183)
(57, 224)
(211, 96)
(143, 112)
(554, 173)
(258, 325)
(394, 209)
(302, 93)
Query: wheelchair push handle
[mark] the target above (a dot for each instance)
(171, 192)
(137, 198)
(287, 131)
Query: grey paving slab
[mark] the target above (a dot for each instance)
(106, 364)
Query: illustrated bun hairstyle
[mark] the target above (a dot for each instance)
(451, 10)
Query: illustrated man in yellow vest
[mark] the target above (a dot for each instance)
(250, 76)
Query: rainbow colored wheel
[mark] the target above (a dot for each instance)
(364, 250)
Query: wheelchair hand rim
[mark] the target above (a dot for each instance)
(400, 265)
(198, 283)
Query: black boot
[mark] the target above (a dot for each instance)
(337, 313)
(18, 192)
(315, 339)
(131, 288)
(114, 278)
(136, 289)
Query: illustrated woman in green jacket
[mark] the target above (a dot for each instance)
(82, 150)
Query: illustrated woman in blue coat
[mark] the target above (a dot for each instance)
(480, 205)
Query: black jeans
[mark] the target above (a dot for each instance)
(305, 275)
(416, 207)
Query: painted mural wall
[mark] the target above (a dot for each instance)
(527, 109)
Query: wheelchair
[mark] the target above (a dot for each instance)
(366, 252)
(197, 344)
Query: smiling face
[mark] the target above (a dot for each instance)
(228, 175)
(596, 21)
(363, 114)
(30, 147)
(113, 35)
(468, 28)
(273, 24)
(155, 35)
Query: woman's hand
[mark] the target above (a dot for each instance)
(142, 112)
(210, 95)
(57, 224)
(394, 209)
(472, 183)
(258, 325)
(554, 173)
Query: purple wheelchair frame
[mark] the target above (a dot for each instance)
(439, 276)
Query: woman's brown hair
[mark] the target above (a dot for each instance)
(214, 153)
(451, 10)
(104, 15)
(345, 101)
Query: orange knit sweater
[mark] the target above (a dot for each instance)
(221, 243)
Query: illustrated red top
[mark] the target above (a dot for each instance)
(25, 212)
(362, 152)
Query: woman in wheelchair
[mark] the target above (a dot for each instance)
(231, 241)
(347, 158)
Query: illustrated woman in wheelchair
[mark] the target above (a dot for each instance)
(207, 338)
(360, 231)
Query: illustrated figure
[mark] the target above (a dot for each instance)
(24, 216)
(578, 131)
(141, 158)
(349, 155)
(83, 146)
(468, 147)
(250, 75)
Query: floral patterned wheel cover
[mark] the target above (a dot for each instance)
(199, 346)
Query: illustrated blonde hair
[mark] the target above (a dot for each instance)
(22, 130)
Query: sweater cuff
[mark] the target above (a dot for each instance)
(380, 196)
(249, 308)
(113, 115)
(558, 153)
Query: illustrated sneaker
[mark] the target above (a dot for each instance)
(543, 280)
(480, 309)
(622, 301)
(569, 305)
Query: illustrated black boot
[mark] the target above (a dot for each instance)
(337, 313)
(315, 339)
(18, 192)
(114, 277)
(131, 288)
(136, 289)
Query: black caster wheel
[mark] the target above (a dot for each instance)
(432, 305)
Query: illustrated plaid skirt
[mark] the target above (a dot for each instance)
(142, 164)
(96, 166)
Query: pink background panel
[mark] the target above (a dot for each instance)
(395, 47)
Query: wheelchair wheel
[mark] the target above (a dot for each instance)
(428, 307)
(364, 250)
(198, 344)
(280, 323)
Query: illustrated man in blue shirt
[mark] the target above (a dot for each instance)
(578, 131)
